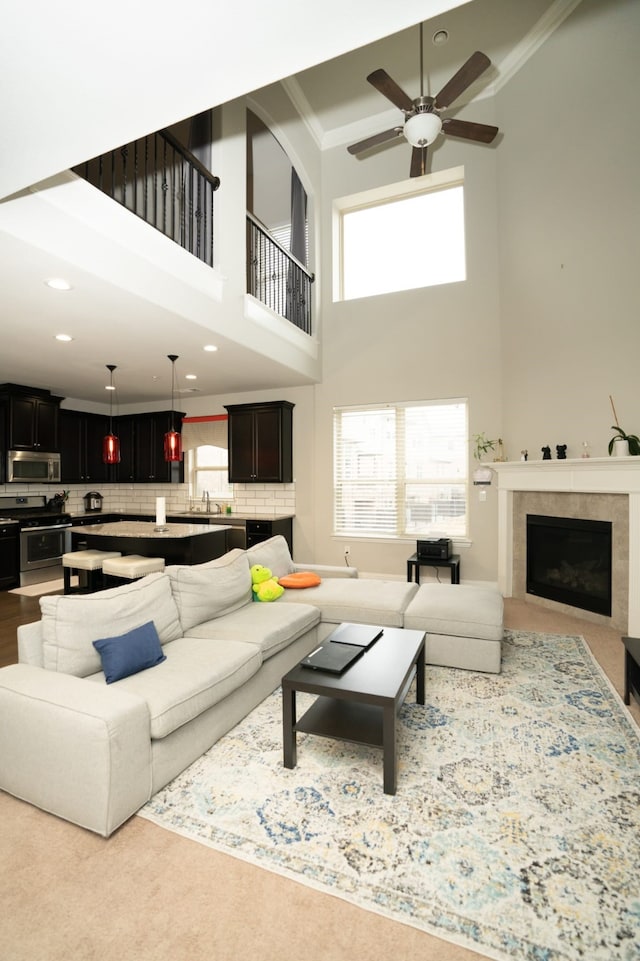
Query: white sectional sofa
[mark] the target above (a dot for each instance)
(94, 752)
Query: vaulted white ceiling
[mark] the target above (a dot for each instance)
(79, 80)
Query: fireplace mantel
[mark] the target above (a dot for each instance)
(605, 475)
(592, 475)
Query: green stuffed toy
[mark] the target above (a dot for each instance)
(265, 586)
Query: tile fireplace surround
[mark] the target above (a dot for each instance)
(598, 488)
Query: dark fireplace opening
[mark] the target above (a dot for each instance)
(570, 561)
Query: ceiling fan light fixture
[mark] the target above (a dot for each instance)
(422, 129)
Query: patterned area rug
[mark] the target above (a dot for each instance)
(515, 829)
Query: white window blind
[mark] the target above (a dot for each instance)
(401, 470)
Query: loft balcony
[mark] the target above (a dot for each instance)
(164, 184)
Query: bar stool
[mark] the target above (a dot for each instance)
(130, 567)
(91, 562)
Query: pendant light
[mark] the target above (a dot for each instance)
(172, 439)
(111, 444)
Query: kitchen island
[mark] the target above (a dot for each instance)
(176, 543)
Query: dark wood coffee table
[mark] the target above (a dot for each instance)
(362, 704)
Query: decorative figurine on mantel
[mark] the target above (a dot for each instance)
(546, 453)
(524, 455)
(585, 449)
(561, 451)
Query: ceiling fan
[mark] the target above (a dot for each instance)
(422, 121)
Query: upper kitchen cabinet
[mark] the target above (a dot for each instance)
(142, 448)
(260, 443)
(31, 418)
(81, 436)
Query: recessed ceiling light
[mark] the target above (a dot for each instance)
(58, 283)
(440, 37)
(210, 347)
(190, 376)
(64, 337)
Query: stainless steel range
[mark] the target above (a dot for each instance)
(42, 536)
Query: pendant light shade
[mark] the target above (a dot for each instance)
(110, 443)
(172, 439)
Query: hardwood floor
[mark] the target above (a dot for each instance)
(14, 610)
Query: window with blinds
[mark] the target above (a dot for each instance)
(401, 470)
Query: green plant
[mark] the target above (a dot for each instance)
(632, 439)
(483, 445)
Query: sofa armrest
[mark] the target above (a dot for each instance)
(30, 641)
(327, 570)
(75, 748)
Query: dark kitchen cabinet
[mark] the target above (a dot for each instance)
(124, 428)
(9, 557)
(261, 443)
(142, 448)
(81, 436)
(262, 530)
(31, 418)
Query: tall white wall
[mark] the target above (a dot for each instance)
(569, 229)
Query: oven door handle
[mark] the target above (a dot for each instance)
(52, 527)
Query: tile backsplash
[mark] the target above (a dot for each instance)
(255, 500)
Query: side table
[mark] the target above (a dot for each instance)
(414, 563)
(631, 668)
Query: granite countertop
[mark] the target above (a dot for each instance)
(225, 518)
(230, 518)
(147, 529)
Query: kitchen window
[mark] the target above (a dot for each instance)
(401, 470)
(209, 471)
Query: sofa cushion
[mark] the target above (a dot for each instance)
(273, 553)
(129, 653)
(72, 622)
(360, 600)
(461, 610)
(270, 627)
(205, 591)
(196, 675)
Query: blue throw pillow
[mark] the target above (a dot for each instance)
(129, 653)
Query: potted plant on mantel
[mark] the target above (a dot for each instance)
(482, 474)
(622, 444)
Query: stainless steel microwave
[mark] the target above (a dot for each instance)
(30, 466)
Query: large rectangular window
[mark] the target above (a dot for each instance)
(400, 237)
(400, 470)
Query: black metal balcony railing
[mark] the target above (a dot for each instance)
(163, 183)
(276, 277)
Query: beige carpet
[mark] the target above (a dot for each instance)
(149, 895)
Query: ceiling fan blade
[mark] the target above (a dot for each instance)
(418, 162)
(381, 80)
(481, 132)
(377, 138)
(468, 72)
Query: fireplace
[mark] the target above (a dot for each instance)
(591, 488)
(569, 560)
